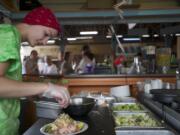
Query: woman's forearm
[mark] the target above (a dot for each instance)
(12, 88)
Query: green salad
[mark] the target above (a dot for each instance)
(127, 107)
(135, 120)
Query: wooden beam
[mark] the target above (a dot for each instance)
(9, 5)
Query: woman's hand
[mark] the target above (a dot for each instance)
(60, 93)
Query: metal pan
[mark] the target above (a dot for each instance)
(144, 132)
(130, 106)
(136, 121)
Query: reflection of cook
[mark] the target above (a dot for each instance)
(87, 62)
(66, 66)
(49, 67)
(31, 63)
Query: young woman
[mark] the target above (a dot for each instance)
(36, 28)
(87, 62)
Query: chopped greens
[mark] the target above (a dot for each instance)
(127, 107)
(135, 120)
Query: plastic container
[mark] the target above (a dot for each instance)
(120, 91)
(46, 109)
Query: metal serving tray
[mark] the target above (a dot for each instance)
(143, 109)
(159, 124)
(144, 132)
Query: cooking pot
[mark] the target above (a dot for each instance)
(80, 106)
(176, 103)
(165, 96)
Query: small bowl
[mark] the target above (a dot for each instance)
(80, 106)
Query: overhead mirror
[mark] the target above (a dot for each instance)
(136, 39)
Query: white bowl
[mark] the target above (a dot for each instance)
(120, 91)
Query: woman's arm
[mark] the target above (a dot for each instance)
(12, 88)
(80, 66)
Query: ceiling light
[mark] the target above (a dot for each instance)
(155, 35)
(131, 39)
(50, 41)
(84, 37)
(88, 32)
(108, 36)
(119, 36)
(178, 34)
(56, 38)
(71, 39)
(146, 36)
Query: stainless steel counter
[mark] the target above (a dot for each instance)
(166, 113)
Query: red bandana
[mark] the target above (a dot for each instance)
(42, 16)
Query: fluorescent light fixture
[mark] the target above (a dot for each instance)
(88, 32)
(84, 37)
(146, 36)
(119, 36)
(178, 34)
(131, 39)
(56, 38)
(71, 39)
(50, 41)
(108, 36)
(155, 35)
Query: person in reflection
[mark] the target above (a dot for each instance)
(49, 67)
(31, 66)
(36, 28)
(86, 49)
(87, 62)
(66, 65)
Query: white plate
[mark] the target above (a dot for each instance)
(82, 130)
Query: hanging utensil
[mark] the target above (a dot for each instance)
(117, 39)
(118, 6)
